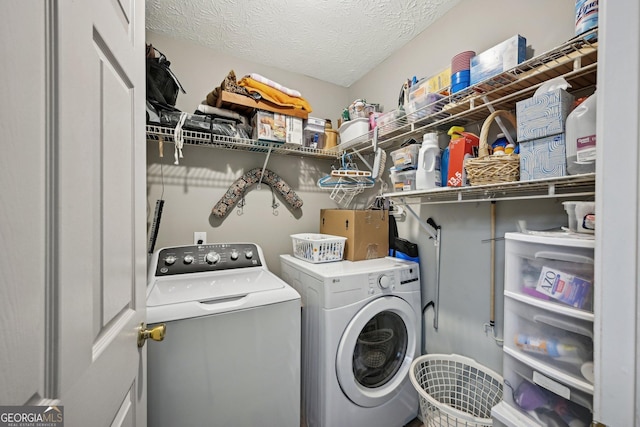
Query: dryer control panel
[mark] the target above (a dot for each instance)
(206, 258)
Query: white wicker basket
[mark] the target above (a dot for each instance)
(317, 248)
(455, 390)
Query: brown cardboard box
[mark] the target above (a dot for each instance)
(367, 231)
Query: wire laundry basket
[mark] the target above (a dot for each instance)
(376, 347)
(455, 390)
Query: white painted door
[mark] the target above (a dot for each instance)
(74, 219)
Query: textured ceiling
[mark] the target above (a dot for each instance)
(337, 41)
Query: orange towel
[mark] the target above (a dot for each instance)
(274, 95)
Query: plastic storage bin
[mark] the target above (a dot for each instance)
(353, 129)
(555, 340)
(455, 390)
(318, 248)
(548, 344)
(424, 106)
(558, 270)
(403, 180)
(517, 372)
(406, 157)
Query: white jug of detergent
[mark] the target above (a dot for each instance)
(581, 138)
(428, 173)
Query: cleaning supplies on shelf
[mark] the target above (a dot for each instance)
(581, 137)
(429, 169)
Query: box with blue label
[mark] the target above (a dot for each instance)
(543, 158)
(500, 58)
(543, 115)
(564, 287)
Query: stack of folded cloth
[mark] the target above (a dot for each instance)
(259, 87)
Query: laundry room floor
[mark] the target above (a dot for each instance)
(415, 423)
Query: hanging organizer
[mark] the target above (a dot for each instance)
(346, 182)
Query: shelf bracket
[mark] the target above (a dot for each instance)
(264, 166)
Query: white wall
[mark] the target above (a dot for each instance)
(204, 174)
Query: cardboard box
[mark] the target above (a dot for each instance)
(367, 231)
(294, 132)
(500, 58)
(543, 115)
(543, 158)
(440, 82)
(459, 150)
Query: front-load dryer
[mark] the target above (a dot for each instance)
(361, 330)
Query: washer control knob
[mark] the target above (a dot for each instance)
(248, 254)
(212, 257)
(234, 255)
(170, 260)
(384, 281)
(188, 259)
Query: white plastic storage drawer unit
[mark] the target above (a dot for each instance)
(558, 270)
(548, 330)
(556, 343)
(539, 398)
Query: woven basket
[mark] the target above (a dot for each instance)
(488, 169)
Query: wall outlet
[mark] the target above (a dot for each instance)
(199, 237)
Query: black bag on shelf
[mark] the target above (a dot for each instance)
(162, 85)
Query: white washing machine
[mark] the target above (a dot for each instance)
(361, 330)
(231, 355)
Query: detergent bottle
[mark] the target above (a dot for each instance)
(428, 173)
(581, 137)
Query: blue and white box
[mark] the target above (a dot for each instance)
(543, 115)
(564, 287)
(500, 58)
(543, 158)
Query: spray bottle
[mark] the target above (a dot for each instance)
(428, 173)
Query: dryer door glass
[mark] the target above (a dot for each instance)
(380, 349)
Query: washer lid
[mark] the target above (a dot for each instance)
(211, 287)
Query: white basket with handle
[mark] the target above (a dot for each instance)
(317, 248)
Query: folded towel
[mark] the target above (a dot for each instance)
(275, 85)
(273, 95)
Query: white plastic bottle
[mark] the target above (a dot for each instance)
(581, 138)
(428, 173)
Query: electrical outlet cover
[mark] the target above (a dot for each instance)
(199, 237)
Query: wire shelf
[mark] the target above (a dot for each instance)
(206, 139)
(563, 187)
(576, 61)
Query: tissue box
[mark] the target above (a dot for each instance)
(543, 158)
(543, 115)
(498, 59)
(367, 231)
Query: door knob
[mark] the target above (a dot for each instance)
(156, 333)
